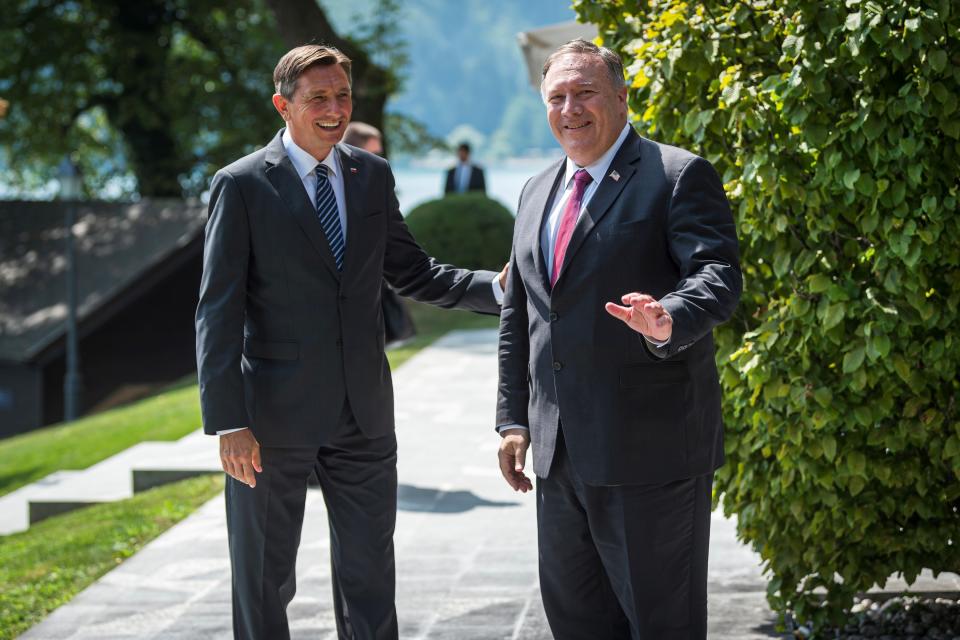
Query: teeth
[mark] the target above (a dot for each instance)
(329, 125)
(580, 127)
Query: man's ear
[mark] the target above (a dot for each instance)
(280, 103)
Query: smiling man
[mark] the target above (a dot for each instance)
(293, 375)
(624, 259)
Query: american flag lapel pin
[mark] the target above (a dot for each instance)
(615, 176)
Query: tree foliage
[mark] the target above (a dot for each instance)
(152, 97)
(835, 126)
(149, 97)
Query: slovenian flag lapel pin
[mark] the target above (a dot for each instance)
(615, 176)
(353, 169)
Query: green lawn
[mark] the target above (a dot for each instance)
(168, 416)
(45, 566)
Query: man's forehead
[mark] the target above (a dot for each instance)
(573, 67)
(320, 79)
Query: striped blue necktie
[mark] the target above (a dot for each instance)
(329, 215)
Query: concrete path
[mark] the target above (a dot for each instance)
(465, 543)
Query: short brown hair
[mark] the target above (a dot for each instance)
(296, 61)
(609, 57)
(359, 133)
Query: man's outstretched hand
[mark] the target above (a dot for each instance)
(644, 315)
(240, 456)
(513, 456)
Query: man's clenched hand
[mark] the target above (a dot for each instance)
(240, 456)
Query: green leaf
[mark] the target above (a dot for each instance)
(938, 60)
(856, 463)
(823, 396)
(952, 448)
(818, 283)
(829, 444)
(853, 359)
(856, 485)
(833, 315)
(850, 177)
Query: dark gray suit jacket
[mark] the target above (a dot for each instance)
(629, 415)
(282, 336)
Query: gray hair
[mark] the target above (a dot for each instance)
(610, 59)
(296, 61)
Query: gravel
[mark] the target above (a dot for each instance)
(899, 618)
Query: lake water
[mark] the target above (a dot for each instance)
(504, 183)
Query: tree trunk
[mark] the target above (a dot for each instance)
(146, 119)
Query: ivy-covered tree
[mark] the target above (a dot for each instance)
(835, 126)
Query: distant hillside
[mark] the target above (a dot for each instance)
(465, 69)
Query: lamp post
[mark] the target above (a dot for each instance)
(70, 189)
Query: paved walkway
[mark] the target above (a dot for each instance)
(465, 543)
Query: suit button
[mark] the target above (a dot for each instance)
(342, 297)
(339, 342)
(553, 316)
(557, 366)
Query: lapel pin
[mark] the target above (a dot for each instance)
(615, 176)
(353, 169)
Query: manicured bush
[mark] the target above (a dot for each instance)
(835, 127)
(469, 230)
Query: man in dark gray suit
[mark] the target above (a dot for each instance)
(624, 259)
(290, 350)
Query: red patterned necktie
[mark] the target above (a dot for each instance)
(569, 220)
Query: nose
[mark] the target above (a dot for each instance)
(571, 106)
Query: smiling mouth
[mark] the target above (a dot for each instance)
(575, 128)
(329, 126)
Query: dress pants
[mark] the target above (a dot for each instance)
(358, 477)
(624, 562)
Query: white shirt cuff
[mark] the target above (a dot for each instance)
(502, 427)
(226, 431)
(497, 289)
(656, 343)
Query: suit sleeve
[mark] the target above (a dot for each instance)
(482, 182)
(513, 390)
(703, 243)
(220, 311)
(414, 274)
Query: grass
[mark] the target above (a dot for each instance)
(45, 566)
(168, 416)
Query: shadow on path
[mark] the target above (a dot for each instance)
(411, 498)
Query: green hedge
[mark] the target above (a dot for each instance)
(468, 230)
(835, 127)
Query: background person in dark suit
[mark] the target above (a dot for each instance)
(464, 176)
(290, 350)
(621, 406)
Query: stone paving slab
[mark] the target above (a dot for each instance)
(465, 543)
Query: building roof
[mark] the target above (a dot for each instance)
(117, 246)
(537, 44)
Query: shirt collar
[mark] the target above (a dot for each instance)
(597, 169)
(303, 162)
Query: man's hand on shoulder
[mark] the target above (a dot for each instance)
(240, 456)
(644, 315)
(513, 456)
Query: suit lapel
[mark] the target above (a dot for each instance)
(353, 190)
(540, 199)
(283, 176)
(607, 191)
